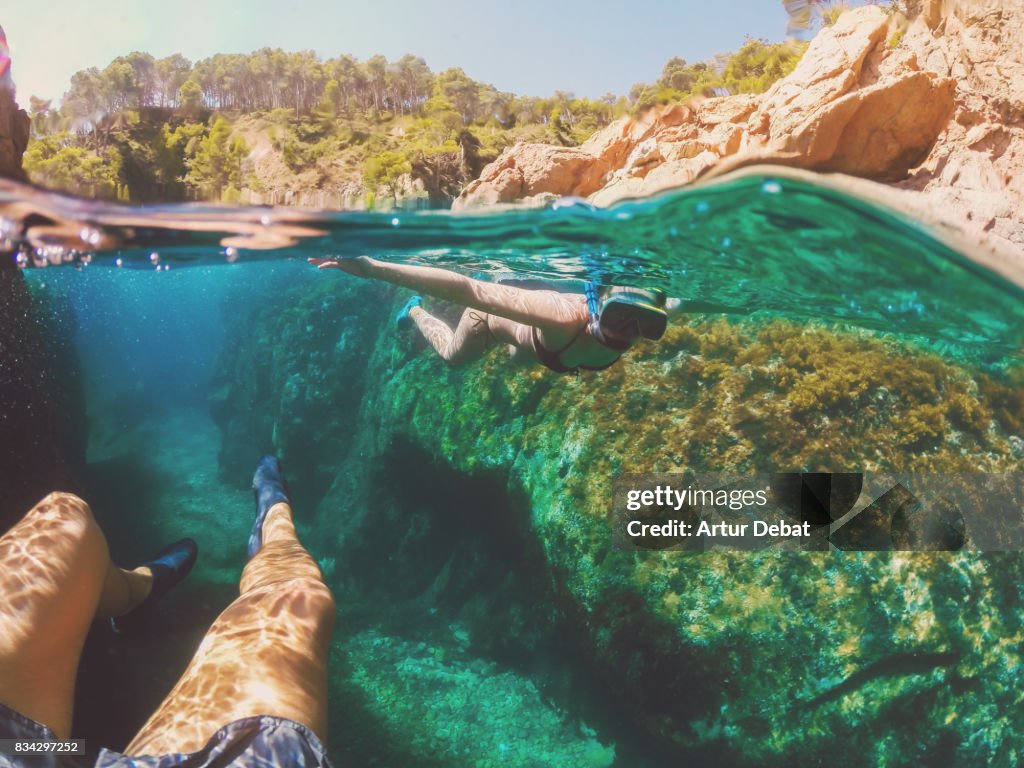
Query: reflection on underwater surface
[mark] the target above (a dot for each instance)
(779, 247)
(460, 515)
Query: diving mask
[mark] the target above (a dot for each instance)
(626, 313)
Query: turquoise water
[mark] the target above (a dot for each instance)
(458, 514)
(780, 247)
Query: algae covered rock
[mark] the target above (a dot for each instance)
(478, 497)
(743, 656)
(464, 711)
(291, 377)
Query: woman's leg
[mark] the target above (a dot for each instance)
(56, 575)
(517, 336)
(266, 654)
(467, 342)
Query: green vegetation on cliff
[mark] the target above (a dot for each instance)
(752, 69)
(277, 127)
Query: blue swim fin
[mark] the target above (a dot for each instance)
(402, 320)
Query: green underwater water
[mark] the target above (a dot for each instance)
(780, 247)
(459, 515)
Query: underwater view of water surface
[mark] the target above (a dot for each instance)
(460, 513)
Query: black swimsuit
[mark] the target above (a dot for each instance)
(552, 358)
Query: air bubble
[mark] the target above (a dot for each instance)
(572, 202)
(46, 255)
(771, 187)
(118, 262)
(154, 258)
(703, 206)
(90, 235)
(21, 259)
(7, 233)
(395, 222)
(230, 255)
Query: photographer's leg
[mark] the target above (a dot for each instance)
(56, 577)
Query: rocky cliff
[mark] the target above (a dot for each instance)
(14, 122)
(932, 104)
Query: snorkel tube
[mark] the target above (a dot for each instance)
(594, 308)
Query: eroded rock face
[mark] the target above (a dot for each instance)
(14, 122)
(934, 104)
(13, 138)
(975, 168)
(529, 170)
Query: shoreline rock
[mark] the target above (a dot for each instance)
(932, 105)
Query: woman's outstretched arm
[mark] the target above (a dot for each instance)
(530, 307)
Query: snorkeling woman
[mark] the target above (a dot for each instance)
(566, 332)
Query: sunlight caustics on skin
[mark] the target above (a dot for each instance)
(57, 576)
(266, 654)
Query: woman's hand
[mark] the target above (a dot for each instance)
(359, 266)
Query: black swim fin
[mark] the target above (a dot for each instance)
(270, 488)
(170, 565)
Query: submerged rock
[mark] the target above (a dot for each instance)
(290, 380)
(458, 711)
(478, 498)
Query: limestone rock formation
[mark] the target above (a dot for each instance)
(975, 168)
(933, 104)
(536, 169)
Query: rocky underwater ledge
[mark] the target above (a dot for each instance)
(461, 515)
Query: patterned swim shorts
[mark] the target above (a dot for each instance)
(252, 742)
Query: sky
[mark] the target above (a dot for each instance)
(528, 47)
